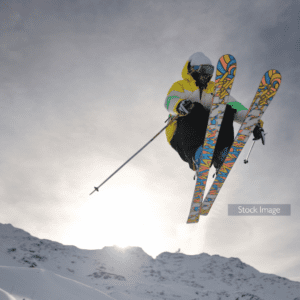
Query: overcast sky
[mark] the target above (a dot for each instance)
(82, 88)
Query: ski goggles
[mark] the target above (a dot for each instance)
(203, 69)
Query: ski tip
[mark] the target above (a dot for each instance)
(272, 77)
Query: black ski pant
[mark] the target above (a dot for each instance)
(190, 133)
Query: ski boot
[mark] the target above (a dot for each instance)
(197, 159)
(218, 161)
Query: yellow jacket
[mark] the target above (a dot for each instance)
(187, 89)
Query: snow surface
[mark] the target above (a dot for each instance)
(35, 269)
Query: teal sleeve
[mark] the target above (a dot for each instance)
(237, 105)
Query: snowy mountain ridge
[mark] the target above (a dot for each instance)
(39, 269)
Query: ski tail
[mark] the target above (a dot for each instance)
(267, 89)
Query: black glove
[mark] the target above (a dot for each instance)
(259, 133)
(185, 107)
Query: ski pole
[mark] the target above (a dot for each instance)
(263, 139)
(246, 160)
(171, 121)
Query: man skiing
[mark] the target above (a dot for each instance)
(191, 99)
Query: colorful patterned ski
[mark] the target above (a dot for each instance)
(266, 91)
(226, 69)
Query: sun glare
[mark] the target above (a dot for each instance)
(122, 247)
(122, 215)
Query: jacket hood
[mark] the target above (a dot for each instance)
(185, 74)
(199, 58)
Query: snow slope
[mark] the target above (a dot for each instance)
(35, 269)
(41, 284)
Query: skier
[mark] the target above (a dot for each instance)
(191, 99)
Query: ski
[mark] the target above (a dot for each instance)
(225, 73)
(266, 91)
